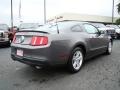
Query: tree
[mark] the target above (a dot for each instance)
(118, 8)
(118, 21)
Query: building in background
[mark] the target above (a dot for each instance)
(85, 17)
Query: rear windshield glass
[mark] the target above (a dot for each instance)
(54, 28)
(3, 27)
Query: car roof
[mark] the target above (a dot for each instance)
(73, 22)
(96, 23)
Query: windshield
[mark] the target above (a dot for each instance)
(28, 25)
(99, 25)
(3, 27)
(113, 26)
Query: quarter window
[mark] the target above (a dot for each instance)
(76, 28)
(90, 29)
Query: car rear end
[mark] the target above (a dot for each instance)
(4, 40)
(31, 48)
(39, 48)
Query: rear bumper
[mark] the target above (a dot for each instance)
(50, 56)
(30, 60)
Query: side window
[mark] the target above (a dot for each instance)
(76, 28)
(90, 29)
(103, 32)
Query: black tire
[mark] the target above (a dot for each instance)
(109, 48)
(71, 67)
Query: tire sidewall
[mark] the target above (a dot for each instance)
(70, 61)
(109, 52)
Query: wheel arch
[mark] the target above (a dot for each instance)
(69, 63)
(81, 45)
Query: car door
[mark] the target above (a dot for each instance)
(96, 40)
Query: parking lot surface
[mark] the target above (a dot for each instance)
(99, 73)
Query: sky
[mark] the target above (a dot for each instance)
(32, 10)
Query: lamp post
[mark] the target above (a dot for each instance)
(112, 11)
(44, 11)
(20, 11)
(11, 13)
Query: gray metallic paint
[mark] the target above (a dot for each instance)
(60, 46)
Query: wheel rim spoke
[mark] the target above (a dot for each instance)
(77, 59)
(74, 64)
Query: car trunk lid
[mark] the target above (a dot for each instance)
(26, 37)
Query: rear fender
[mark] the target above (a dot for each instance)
(80, 44)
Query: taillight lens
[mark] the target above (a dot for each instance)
(39, 40)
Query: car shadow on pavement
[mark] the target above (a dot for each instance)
(28, 75)
(44, 74)
(48, 72)
(95, 58)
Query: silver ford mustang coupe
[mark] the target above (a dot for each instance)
(63, 43)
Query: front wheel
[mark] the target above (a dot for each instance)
(76, 60)
(109, 48)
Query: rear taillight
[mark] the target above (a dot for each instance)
(39, 41)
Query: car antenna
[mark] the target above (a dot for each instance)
(56, 21)
(56, 18)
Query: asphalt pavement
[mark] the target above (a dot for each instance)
(99, 73)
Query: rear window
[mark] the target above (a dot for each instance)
(48, 28)
(53, 28)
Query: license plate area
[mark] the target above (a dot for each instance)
(19, 52)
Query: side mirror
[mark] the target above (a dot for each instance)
(99, 33)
